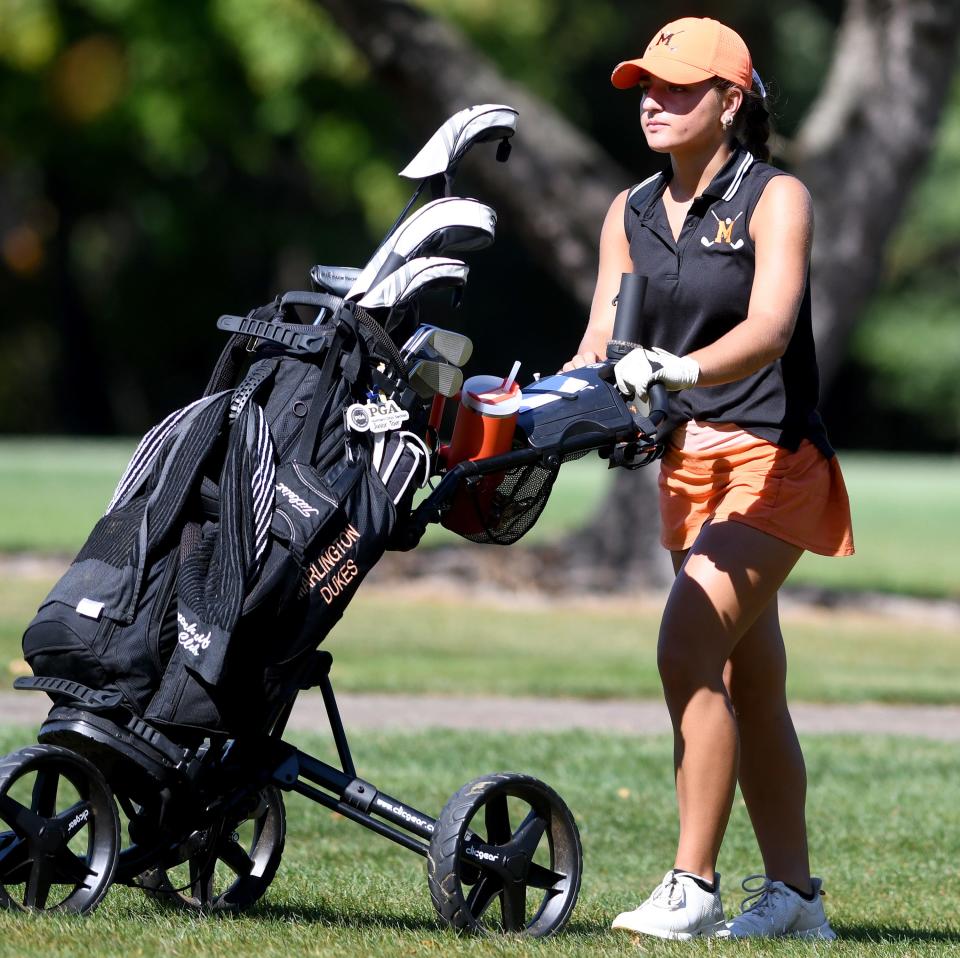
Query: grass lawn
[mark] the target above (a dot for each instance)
(883, 834)
(52, 491)
(390, 642)
(906, 523)
(906, 510)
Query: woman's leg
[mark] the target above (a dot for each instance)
(773, 778)
(729, 576)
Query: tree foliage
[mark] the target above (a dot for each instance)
(906, 351)
(161, 164)
(164, 161)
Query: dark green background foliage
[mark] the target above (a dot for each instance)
(166, 161)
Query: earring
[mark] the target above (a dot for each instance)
(726, 122)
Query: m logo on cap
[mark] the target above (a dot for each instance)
(664, 41)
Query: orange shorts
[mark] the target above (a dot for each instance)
(720, 472)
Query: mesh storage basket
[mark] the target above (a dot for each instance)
(503, 506)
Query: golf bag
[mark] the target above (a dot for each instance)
(241, 529)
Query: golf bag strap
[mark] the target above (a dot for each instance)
(256, 376)
(311, 426)
(396, 389)
(293, 338)
(350, 319)
(232, 357)
(384, 346)
(224, 373)
(155, 738)
(92, 698)
(190, 538)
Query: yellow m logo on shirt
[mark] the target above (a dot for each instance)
(724, 232)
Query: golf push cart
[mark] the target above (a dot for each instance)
(161, 764)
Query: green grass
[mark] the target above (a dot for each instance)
(884, 835)
(906, 510)
(454, 645)
(906, 523)
(569, 649)
(906, 519)
(52, 491)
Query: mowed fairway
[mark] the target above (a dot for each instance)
(439, 640)
(570, 647)
(885, 835)
(884, 814)
(906, 510)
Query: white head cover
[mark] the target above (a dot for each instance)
(412, 277)
(450, 223)
(487, 121)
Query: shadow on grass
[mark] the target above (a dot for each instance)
(884, 934)
(358, 918)
(354, 918)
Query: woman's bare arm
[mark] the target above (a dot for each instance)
(614, 261)
(782, 231)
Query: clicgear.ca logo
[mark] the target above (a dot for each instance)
(480, 854)
(78, 819)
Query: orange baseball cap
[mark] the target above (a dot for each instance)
(688, 51)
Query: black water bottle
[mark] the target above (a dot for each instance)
(626, 323)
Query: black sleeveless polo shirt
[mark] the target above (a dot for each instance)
(699, 288)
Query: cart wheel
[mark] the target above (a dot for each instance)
(60, 851)
(522, 852)
(227, 866)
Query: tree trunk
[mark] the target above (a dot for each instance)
(860, 150)
(864, 143)
(555, 192)
(620, 547)
(556, 188)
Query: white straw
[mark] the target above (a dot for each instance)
(508, 382)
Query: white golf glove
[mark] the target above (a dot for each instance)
(635, 372)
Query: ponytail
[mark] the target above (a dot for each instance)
(751, 126)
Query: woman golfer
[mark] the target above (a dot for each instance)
(748, 480)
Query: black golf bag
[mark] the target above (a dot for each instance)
(240, 530)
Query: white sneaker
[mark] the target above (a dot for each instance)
(678, 908)
(772, 910)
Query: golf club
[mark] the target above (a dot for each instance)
(335, 280)
(431, 342)
(451, 224)
(476, 124)
(428, 377)
(403, 284)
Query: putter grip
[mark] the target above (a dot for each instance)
(659, 404)
(626, 336)
(626, 323)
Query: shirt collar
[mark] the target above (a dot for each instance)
(723, 186)
(727, 181)
(643, 202)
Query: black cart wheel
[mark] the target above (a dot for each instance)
(227, 866)
(59, 849)
(505, 857)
